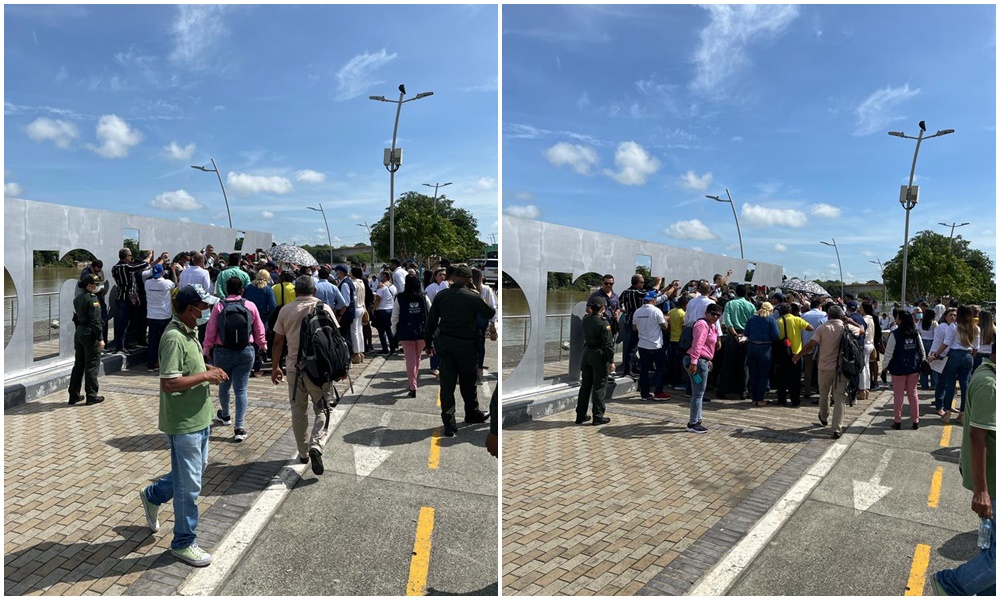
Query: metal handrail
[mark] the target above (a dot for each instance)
(562, 321)
(10, 315)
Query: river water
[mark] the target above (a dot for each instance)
(557, 302)
(47, 281)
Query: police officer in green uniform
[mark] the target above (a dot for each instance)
(598, 354)
(453, 318)
(87, 340)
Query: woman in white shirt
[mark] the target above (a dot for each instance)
(961, 342)
(865, 381)
(926, 328)
(437, 284)
(986, 330)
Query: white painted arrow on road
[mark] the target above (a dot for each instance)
(867, 493)
(368, 458)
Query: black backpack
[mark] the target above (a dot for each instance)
(687, 336)
(235, 321)
(323, 353)
(851, 361)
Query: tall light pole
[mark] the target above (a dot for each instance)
(908, 195)
(837, 250)
(730, 201)
(215, 169)
(885, 294)
(393, 161)
(435, 186)
(328, 240)
(950, 237)
(369, 240)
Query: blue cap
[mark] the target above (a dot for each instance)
(651, 295)
(158, 271)
(341, 268)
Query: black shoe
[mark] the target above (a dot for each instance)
(303, 459)
(75, 399)
(94, 400)
(836, 435)
(450, 430)
(816, 402)
(317, 461)
(896, 426)
(581, 420)
(601, 420)
(796, 404)
(822, 421)
(480, 417)
(916, 425)
(413, 393)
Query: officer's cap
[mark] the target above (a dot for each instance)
(598, 302)
(90, 278)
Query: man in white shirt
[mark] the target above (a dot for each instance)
(650, 326)
(696, 307)
(385, 296)
(196, 273)
(398, 273)
(158, 313)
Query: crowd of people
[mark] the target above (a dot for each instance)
(745, 341)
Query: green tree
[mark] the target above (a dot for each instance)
(423, 231)
(932, 270)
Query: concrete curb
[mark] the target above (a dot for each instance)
(25, 388)
(559, 398)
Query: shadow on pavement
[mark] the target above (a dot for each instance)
(242, 481)
(140, 442)
(490, 590)
(795, 435)
(950, 455)
(640, 430)
(35, 408)
(535, 425)
(392, 437)
(961, 547)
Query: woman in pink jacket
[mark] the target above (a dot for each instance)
(698, 362)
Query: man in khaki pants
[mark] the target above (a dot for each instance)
(300, 388)
(827, 337)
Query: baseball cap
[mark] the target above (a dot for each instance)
(341, 268)
(852, 305)
(778, 296)
(463, 271)
(651, 295)
(90, 278)
(193, 294)
(158, 271)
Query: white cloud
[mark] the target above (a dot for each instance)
(11, 190)
(634, 164)
(178, 200)
(692, 181)
(310, 176)
(877, 110)
(62, 133)
(524, 195)
(267, 214)
(724, 41)
(196, 30)
(116, 137)
(355, 78)
(583, 101)
(825, 210)
(241, 183)
(762, 216)
(62, 74)
(525, 212)
(690, 230)
(780, 247)
(176, 152)
(486, 183)
(581, 158)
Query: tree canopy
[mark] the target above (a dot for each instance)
(932, 270)
(423, 231)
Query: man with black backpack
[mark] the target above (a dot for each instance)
(310, 366)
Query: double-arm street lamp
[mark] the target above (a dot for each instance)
(365, 225)
(908, 195)
(952, 236)
(393, 160)
(328, 239)
(215, 169)
(837, 250)
(436, 186)
(885, 294)
(730, 201)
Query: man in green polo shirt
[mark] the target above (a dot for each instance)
(186, 417)
(734, 375)
(978, 576)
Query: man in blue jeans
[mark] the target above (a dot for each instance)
(978, 576)
(185, 416)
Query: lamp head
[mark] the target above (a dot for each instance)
(945, 131)
(424, 94)
(896, 133)
(716, 198)
(379, 98)
(314, 208)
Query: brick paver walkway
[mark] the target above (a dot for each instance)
(603, 510)
(72, 520)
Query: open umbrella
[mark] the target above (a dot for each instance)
(801, 285)
(287, 253)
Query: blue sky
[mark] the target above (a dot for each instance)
(107, 106)
(622, 118)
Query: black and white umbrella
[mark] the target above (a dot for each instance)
(286, 253)
(801, 285)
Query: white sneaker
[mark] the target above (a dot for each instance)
(193, 555)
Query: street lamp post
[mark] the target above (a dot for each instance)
(369, 240)
(392, 161)
(837, 250)
(885, 293)
(910, 199)
(950, 237)
(328, 239)
(436, 186)
(730, 201)
(215, 169)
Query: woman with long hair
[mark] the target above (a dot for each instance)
(357, 325)
(904, 353)
(409, 316)
(761, 331)
(487, 328)
(959, 343)
(986, 330)
(865, 381)
(926, 331)
(261, 294)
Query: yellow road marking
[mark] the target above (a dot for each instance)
(439, 398)
(421, 560)
(918, 572)
(945, 436)
(935, 495)
(435, 458)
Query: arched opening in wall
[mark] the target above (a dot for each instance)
(9, 307)
(563, 294)
(51, 272)
(515, 324)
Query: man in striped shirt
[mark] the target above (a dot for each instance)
(126, 294)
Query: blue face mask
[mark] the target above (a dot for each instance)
(205, 314)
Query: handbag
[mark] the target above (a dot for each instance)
(925, 367)
(786, 343)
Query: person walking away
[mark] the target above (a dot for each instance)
(126, 295)
(675, 325)
(761, 331)
(357, 325)
(159, 293)
(873, 338)
(960, 342)
(698, 361)
(301, 389)
(630, 301)
(790, 328)
(385, 296)
(87, 341)
(904, 355)
(815, 316)
(408, 320)
(928, 324)
(453, 313)
(978, 461)
(649, 327)
(597, 362)
(350, 293)
(233, 270)
(185, 417)
(487, 327)
(735, 315)
(235, 328)
(262, 296)
(986, 331)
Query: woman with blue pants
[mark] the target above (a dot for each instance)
(959, 341)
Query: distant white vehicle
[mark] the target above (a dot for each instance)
(490, 268)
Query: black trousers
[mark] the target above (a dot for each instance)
(787, 376)
(457, 367)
